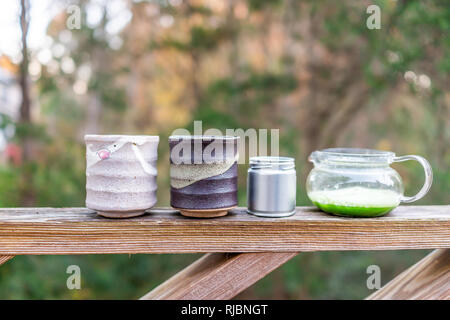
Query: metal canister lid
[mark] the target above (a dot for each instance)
(283, 163)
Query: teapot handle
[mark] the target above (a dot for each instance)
(428, 177)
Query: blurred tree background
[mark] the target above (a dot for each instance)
(310, 68)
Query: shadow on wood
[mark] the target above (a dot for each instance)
(218, 276)
(429, 279)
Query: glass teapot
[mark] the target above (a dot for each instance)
(359, 182)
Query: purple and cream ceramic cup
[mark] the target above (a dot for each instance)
(121, 174)
(203, 175)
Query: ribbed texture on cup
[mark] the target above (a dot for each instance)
(120, 183)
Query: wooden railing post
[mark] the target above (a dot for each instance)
(428, 279)
(3, 259)
(218, 276)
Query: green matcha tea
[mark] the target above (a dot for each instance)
(356, 201)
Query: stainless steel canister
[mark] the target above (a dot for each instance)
(271, 186)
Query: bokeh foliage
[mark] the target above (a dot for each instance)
(310, 68)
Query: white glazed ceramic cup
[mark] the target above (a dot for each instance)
(121, 174)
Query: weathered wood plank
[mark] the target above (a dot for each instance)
(81, 231)
(429, 279)
(3, 259)
(218, 276)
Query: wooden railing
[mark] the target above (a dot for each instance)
(241, 249)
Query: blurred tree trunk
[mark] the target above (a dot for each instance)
(94, 103)
(26, 190)
(25, 107)
(93, 114)
(233, 58)
(195, 82)
(316, 111)
(99, 65)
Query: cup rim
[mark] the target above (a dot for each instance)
(202, 138)
(115, 137)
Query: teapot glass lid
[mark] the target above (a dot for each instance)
(356, 155)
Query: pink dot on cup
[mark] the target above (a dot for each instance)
(104, 154)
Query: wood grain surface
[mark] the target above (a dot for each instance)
(3, 259)
(218, 276)
(428, 279)
(81, 231)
